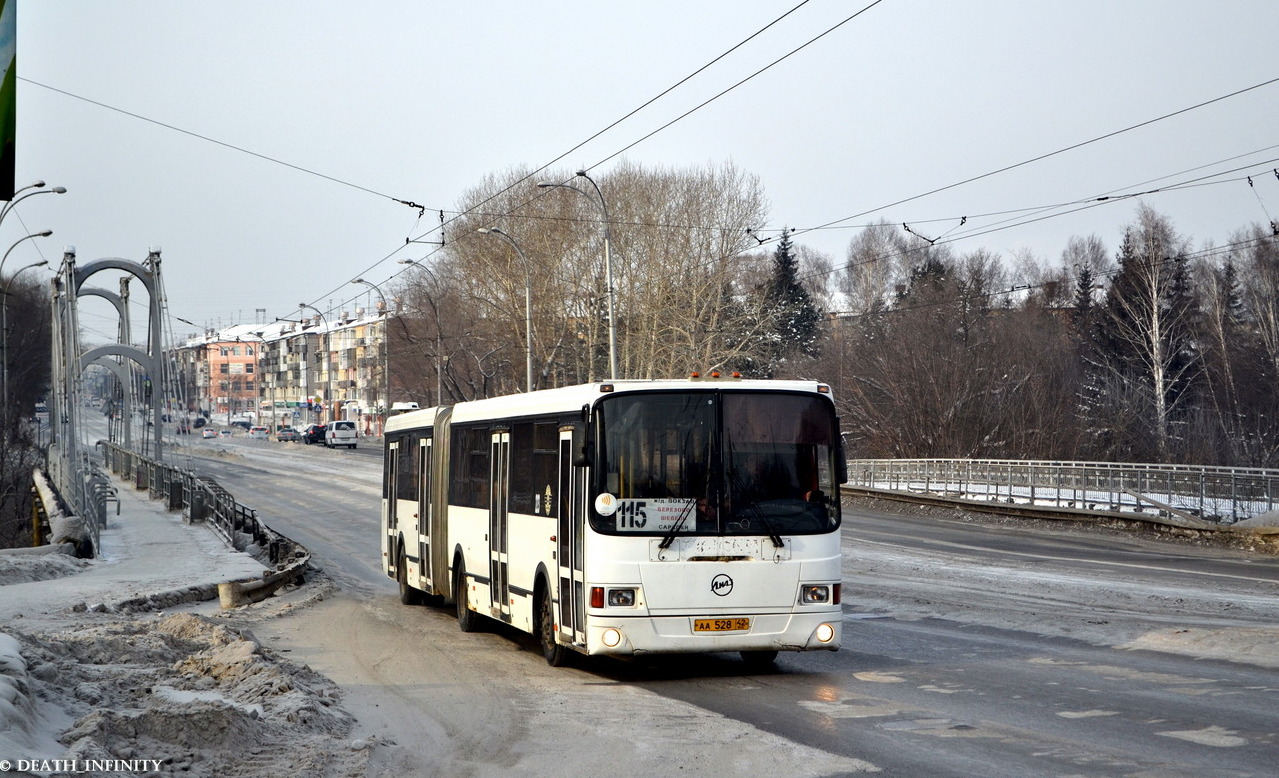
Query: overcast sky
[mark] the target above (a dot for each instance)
(419, 101)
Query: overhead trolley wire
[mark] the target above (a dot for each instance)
(1050, 154)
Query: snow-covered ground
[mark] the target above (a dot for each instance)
(96, 677)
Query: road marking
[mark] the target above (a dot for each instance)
(1217, 737)
(1086, 714)
(873, 677)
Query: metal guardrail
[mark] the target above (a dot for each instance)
(1223, 495)
(203, 500)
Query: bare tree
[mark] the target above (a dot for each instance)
(1147, 323)
(676, 236)
(27, 356)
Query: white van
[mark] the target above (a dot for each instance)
(340, 433)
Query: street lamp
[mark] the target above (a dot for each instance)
(608, 264)
(42, 234)
(439, 338)
(528, 302)
(36, 185)
(4, 327)
(386, 350)
(328, 374)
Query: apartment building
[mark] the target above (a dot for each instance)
(292, 372)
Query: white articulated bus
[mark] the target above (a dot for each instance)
(626, 517)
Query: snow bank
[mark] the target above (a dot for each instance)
(63, 527)
(202, 698)
(25, 568)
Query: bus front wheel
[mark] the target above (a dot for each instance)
(759, 660)
(556, 655)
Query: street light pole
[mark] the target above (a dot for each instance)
(610, 292)
(439, 337)
(386, 351)
(328, 374)
(4, 328)
(528, 303)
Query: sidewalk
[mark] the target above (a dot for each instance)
(146, 551)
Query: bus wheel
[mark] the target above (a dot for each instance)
(759, 660)
(408, 595)
(556, 655)
(467, 619)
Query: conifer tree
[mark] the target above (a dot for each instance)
(795, 319)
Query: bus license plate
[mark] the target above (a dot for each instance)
(721, 625)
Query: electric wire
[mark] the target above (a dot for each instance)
(1055, 153)
(828, 225)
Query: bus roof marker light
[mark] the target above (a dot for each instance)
(606, 387)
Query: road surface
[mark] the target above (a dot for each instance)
(970, 647)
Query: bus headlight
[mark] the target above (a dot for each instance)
(621, 598)
(825, 633)
(814, 594)
(612, 637)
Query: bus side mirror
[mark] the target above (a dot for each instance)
(586, 457)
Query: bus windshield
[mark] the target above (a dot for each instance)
(716, 463)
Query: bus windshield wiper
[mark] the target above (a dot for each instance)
(752, 509)
(669, 537)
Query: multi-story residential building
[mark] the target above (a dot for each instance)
(293, 372)
(219, 371)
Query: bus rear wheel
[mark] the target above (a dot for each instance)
(408, 595)
(467, 619)
(556, 655)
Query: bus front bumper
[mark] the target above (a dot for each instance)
(621, 636)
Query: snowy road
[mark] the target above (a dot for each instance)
(989, 647)
(969, 647)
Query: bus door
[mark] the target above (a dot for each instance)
(424, 506)
(572, 584)
(389, 492)
(499, 482)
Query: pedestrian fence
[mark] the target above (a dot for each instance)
(201, 499)
(1217, 495)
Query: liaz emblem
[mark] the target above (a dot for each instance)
(721, 584)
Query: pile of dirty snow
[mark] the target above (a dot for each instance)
(202, 698)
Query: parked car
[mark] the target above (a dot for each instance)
(259, 433)
(209, 432)
(199, 422)
(287, 434)
(313, 434)
(340, 433)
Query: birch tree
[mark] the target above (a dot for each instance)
(1146, 326)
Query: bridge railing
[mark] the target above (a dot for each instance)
(1216, 494)
(202, 498)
